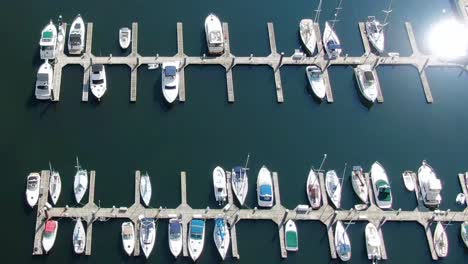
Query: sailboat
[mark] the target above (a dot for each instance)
(429, 185)
(221, 236)
(308, 36)
(55, 185)
(145, 188)
(48, 42)
(240, 182)
(440, 241)
(147, 235)
(381, 186)
(80, 184)
(359, 184)
(375, 33)
(79, 237)
(408, 180)
(314, 193)
(175, 236)
(373, 242)
(290, 235)
(214, 35)
(316, 82)
(333, 187)
(49, 235)
(330, 39)
(219, 185)
(464, 233)
(342, 242)
(128, 237)
(366, 81)
(265, 196)
(33, 183)
(76, 37)
(196, 239)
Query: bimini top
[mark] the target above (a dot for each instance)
(170, 71)
(97, 67)
(175, 227)
(197, 226)
(238, 170)
(50, 226)
(333, 46)
(265, 190)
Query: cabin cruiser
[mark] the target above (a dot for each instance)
(264, 188)
(221, 236)
(196, 238)
(314, 193)
(342, 242)
(375, 33)
(128, 237)
(48, 42)
(308, 36)
(331, 42)
(33, 184)
(49, 235)
(366, 81)
(44, 82)
(214, 35)
(240, 183)
(98, 80)
(316, 82)
(145, 188)
(290, 236)
(333, 187)
(175, 236)
(125, 37)
(359, 184)
(219, 184)
(440, 241)
(79, 237)
(170, 80)
(76, 37)
(147, 235)
(373, 242)
(381, 186)
(429, 185)
(80, 184)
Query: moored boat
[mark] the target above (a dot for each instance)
(366, 81)
(316, 82)
(240, 183)
(49, 235)
(196, 238)
(381, 186)
(98, 80)
(359, 184)
(147, 235)
(175, 236)
(79, 237)
(464, 233)
(290, 236)
(170, 80)
(440, 241)
(375, 33)
(221, 236)
(145, 188)
(308, 36)
(80, 184)
(125, 37)
(128, 237)
(214, 35)
(331, 42)
(48, 42)
(55, 186)
(76, 36)
(342, 242)
(265, 196)
(429, 185)
(33, 182)
(44, 82)
(314, 193)
(408, 180)
(333, 187)
(219, 185)
(373, 242)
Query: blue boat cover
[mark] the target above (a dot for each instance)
(333, 46)
(197, 226)
(238, 170)
(175, 228)
(170, 71)
(265, 190)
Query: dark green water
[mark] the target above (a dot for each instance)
(116, 137)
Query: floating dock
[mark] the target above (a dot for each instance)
(228, 60)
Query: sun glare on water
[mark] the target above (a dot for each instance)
(448, 39)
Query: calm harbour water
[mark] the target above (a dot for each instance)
(116, 137)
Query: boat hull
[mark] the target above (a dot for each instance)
(219, 185)
(214, 35)
(464, 233)
(147, 246)
(317, 83)
(330, 37)
(80, 184)
(170, 84)
(79, 237)
(48, 240)
(426, 177)
(376, 37)
(145, 189)
(175, 244)
(408, 180)
(308, 36)
(195, 246)
(98, 89)
(314, 193)
(55, 187)
(342, 242)
(32, 195)
(290, 235)
(264, 181)
(378, 173)
(359, 184)
(440, 241)
(125, 37)
(373, 244)
(77, 48)
(128, 243)
(333, 188)
(221, 241)
(368, 90)
(240, 184)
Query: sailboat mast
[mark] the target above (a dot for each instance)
(247, 161)
(323, 161)
(334, 20)
(387, 13)
(317, 12)
(342, 176)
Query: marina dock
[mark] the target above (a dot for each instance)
(275, 60)
(90, 212)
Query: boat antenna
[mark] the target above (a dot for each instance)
(387, 13)
(317, 12)
(247, 161)
(323, 161)
(342, 177)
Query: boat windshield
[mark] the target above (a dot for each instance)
(316, 74)
(32, 184)
(75, 39)
(175, 231)
(332, 45)
(42, 87)
(170, 87)
(197, 229)
(384, 193)
(100, 81)
(265, 193)
(216, 37)
(369, 76)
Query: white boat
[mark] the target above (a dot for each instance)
(80, 184)
(460, 199)
(170, 80)
(128, 237)
(147, 235)
(381, 186)
(342, 242)
(196, 238)
(333, 187)
(175, 236)
(290, 236)
(240, 183)
(429, 185)
(331, 42)
(359, 184)
(366, 81)
(264, 188)
(408, 180)
(33, 183)
(48, 42)
(214, 35)
(145, 188)
(375, 33)
(49, 235)
(79, 237)
(98, 80)
(44, 82)
(55, 186)
(219, 185)
(314, 193)
(361, 207)
(153, 66)
(308, 36)
(76, 37)
(125, 37)
(373, 242)
(466, 180)
(316, 82)
(464, 233)
(440, 241)
(221, 236)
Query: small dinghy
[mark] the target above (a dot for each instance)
(55, 185)
(175, 236)
(461, 199)
(153, 66)
(342, 242)
(145, 188)
(440, 241)
(196, 239)
(360, 207)
(79, 237)
(359, 184)
(147, 235)
(331, 42)
(464, 233)
(373, 242)
(125, 36)
(313, 190)
(316, 82)
(219, 185)
(408, 180)
(366, 81)
(308, 36)
(128, 237)
(333, 187)
(49, 235)
(80, 184)
(290, 235)
(221, 236)
(33, 183)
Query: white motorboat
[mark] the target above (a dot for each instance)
(460, 199)
(381, 186)
(240, 183)
(196, 238)
(408, 180)
(314, 193)
(49, 235)
(175, 236)
(342, 242)
(76, 37)
(290, 236)
(44, 82)
(80, 184)
(333, 187)
(265, 196)
(98, 80)
(48, 42)
(128, 237)
(221, 236)
(147, 235)
(331, 42)
(308, 36)
(440, 241)
(373, 242)
(219, 185)
(359, 184)
(33, 183)
(366, 81)
(429, 185)
(79, 237)
(153, 66)
(145, 188)
(125, 37)
(316, 82)
(170, 80)
(464, 233)
(361, 207)
(375, 33)
(55, 186)
(214, 35)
